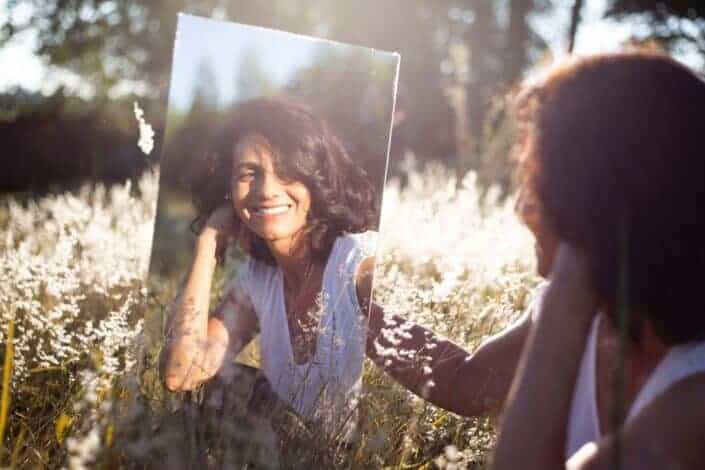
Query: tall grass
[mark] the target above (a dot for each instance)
(84, 392)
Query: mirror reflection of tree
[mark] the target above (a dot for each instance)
(354, 91)
(251, 77)
(187, 132)
(205, 90)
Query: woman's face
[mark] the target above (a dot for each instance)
(274, 209)
(545, 247)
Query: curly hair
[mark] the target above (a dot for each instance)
(612, 161)
(305, 149)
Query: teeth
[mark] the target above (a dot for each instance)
(271, 210)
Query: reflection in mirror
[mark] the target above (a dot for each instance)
(266, 228)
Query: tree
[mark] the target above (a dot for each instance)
(251, 78)
(519, 38)
(205, 90)
(672, 23)
(114, 45)
(574, 23)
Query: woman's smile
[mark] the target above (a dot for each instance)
(269, 211)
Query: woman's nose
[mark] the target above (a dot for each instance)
(269, 186)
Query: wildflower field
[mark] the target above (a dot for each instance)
(80, 330)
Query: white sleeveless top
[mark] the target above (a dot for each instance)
(680, 362)
(328, 384)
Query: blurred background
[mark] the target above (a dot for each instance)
(70, 71)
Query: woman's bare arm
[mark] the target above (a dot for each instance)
(437, 369)
(197, 344)
(533, 430)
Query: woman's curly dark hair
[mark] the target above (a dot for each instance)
(613, 161)
(304, 148)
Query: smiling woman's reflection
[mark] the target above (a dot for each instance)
(280, 184)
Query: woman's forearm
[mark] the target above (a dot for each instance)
(442, 372)
(483, 381)
(416, 358)
(187, 341)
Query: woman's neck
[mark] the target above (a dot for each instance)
(294, 258)
(649, 351)
(643, 355)
(646, 345)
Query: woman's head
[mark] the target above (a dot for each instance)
(272, 206)
(612, 161)
(286, 173)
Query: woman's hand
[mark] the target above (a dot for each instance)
(219, 228)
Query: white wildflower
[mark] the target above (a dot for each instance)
(82, 451)
(146, 140)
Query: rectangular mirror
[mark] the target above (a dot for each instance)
(271, 178)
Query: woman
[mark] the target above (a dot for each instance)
(280, 183)
(613, 373)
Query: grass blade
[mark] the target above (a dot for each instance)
(6, 379)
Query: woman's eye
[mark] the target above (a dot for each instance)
(246, 175)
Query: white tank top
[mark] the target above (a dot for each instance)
(332, 378)
(584, 427)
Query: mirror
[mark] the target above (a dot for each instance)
(275, 154)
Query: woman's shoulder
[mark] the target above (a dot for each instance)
(668, 433)
(349, 256)
(350, 250)
(682, 362)
(363, 244)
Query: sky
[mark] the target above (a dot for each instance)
(222, 45)
(18, 65)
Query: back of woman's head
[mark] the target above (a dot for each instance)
(612, 156)
(303, 148)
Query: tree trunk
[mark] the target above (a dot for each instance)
(518, 38)
(574, 22)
